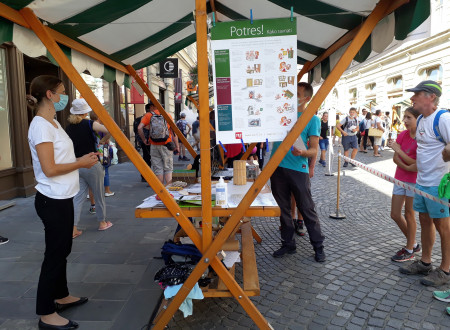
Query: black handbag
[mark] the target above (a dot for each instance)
(173, 274)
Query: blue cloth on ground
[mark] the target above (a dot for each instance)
(187, 305)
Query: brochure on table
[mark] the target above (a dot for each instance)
(255, 68)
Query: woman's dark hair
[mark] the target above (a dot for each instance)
(369, 116)
(413, 111)
(39, 87)
(93, 116)
(337, 117)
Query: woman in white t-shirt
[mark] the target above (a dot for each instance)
(56, 172)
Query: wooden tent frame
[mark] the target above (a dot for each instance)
(204, 242)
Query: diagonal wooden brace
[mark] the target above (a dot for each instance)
(161, 110)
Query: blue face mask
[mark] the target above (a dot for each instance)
(61, 105)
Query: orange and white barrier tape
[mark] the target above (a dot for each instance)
(394, 181)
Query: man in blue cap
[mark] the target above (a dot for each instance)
(432, 135)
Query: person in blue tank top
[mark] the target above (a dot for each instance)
(292, 178)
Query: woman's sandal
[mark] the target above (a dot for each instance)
(77, 234)
(108, 225)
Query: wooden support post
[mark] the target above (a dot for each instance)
(161, 110)
(205, 144)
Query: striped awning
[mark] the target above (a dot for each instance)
(142, 32)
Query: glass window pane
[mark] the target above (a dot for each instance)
(5, 137)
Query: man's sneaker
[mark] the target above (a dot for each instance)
(284, 250)
(437, 277)
(92, 209)
(319, 254)
(185, 159)
(180, 158)
(416, 267)
(298, 226)
(353, 164)
(322, 162)
(345, 164)
(442, 295)
(402, 255)
(417, 248)
(3, 240)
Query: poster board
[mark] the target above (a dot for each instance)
(255, 78)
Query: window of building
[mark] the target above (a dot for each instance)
(432, 73)
(395, 84)
(371, 89)
(353, 95)
(5, 136)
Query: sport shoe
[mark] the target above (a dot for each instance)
(345, 164)
(180, 158)
(416, 267)
(437, 277)
(319, 254)
(284, 250)
(298, 226)
(448, 310)
(92, 209)
(185, 159)
(442, 295)
(417, 248)
(3, 240)
(402, 255)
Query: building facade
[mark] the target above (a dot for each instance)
(380, 83)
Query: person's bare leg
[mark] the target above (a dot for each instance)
(411, 225)
(354, 152)
(168, 177)
(160, 178)
(91, 197)
(375, 150)
(443, 227)
(346, 152)
(322, 154)
(396, 213)
(428, 236)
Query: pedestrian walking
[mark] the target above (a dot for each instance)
(378, 124)
(433, 128)
(56, 171)
(323, 138)
(349, 127)
(81, 131)
(144, 147)
(405, 157)
(368, 123)
(196, 133)
(182, 125)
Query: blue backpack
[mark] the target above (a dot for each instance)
(189, 251)
(362, 127)
(435, 125)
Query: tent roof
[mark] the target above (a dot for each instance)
(142, 32)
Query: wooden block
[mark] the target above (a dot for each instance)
(250, 270)
(221, 286)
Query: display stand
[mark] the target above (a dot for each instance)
(204, 242)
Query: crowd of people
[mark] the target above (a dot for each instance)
(67, 164)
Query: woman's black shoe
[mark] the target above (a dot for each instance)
(62, 307)
(68, 326)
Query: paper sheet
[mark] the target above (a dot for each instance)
(231, 258)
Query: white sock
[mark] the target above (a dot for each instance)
(409, 251)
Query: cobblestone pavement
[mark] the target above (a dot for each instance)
(357, 287)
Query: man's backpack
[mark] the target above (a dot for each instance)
(362, 127)
(436, 130)
(136, 123)
(181, 124)
(159, 132)
(347, 122)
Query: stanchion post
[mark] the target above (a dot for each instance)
(338, 215)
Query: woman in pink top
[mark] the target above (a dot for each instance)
(405, 157)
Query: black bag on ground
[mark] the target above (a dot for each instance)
(188, 252)
(173, 274)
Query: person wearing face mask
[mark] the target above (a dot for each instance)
(292, 177)
(81, 131)
(56, 171)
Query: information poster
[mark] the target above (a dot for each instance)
(254, 67)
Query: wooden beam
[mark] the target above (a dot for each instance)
(304, 69)
(350, 35)
(15, 17)
(205, 143)
(161, 110)
(248, 151)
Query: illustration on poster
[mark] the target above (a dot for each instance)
(251, 55)
(285, 121)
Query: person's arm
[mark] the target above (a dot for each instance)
(406, 159)
(339, 127)
(175, 140)
(313, 144)
(311, 151)
(379, 126)
(446, 153)
(141, 133)
(190, 129)
(97, 127)
(46, 157)
(399, 162)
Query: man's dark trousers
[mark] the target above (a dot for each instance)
(285, 182)
(146, 154)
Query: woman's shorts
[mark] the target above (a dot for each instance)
(323, 144)
(402, 191)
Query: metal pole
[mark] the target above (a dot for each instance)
(338, 215)
(330, 151)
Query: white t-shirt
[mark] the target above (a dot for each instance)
(61, 186)
(377, 120)
(353, 123)
(367, 123)
(430, 165)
